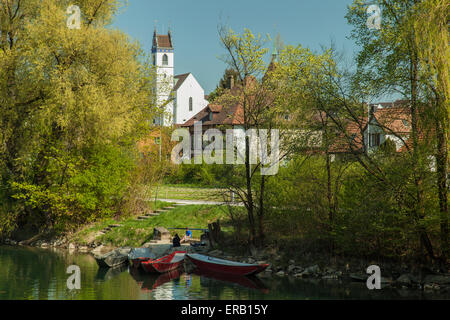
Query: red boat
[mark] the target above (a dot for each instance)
(137, 255)
(164, 264)
(225, 266)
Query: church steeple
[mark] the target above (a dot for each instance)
(163, 61)
(274, 52)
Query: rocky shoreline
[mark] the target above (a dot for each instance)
(401, 277)
(432, 281)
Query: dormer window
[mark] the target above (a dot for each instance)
(405, 123)
(165, 60)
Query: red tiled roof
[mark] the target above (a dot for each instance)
(215, 107)
(162, 41)
(230, 114)
(392, 117)
(220, 116)
(352, 140)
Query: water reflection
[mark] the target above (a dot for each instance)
(106, 274)
(248, 282)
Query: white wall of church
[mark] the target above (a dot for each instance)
(189, 89)
(170, 59)
(165, 73)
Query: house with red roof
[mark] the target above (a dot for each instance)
(382, 122)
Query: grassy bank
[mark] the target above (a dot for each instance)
(135, 233)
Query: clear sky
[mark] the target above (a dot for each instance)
(194, 24)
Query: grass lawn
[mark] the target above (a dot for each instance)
(135, 233)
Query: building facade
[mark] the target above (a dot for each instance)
(179, 97)
(189, 98)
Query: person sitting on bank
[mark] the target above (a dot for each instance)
(176, 241)
(187, 236)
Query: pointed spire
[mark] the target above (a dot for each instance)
(155, 43)
(274, 51)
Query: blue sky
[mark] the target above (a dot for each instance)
(194, 23)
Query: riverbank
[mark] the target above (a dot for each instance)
(283, 260)
(347, 270)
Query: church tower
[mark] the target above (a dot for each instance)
(163, 60)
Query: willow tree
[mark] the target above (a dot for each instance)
(389, 63)
(430, 21)
(72, 100)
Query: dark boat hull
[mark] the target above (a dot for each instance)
(112, 259)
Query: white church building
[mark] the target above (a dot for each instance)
(180, 96)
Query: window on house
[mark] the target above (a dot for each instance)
(374, 140)
(165, 60)
(210, 116)
(190, 104)
(405, 123)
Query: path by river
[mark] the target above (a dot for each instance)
(202, 202)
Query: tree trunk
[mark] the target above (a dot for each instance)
(214, 233)
(419, 209)
(251, 218)
(261, 213)
(441, 168)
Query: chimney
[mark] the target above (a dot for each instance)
(231, 82)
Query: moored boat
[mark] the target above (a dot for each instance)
(212, 264)
(113, 258)
(137, 255)
(164, 264)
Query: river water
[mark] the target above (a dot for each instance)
(38, 274)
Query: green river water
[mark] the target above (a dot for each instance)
(38, 274)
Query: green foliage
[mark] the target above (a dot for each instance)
(374, 218)
(200, 175)
(92, 190)
(224, 83)
(103, 181)
(73, 102)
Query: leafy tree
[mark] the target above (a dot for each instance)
(230, 77)
(389, 63)
(245, 55)
(430, 20)
(73, 101)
